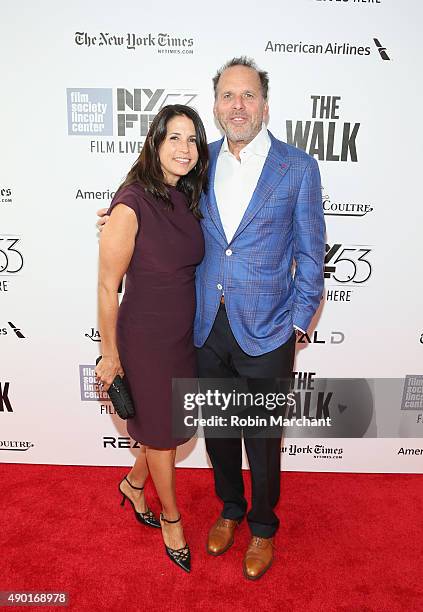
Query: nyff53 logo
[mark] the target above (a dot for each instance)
(348, 263)
(11, 260)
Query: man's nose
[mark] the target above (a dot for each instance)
(238, 102)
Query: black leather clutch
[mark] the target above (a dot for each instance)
(120, 396)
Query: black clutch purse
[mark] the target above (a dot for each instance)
(120, 396)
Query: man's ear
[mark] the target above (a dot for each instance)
(266, 112)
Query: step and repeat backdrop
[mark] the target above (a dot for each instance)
(81, 83)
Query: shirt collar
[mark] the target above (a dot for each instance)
(260, 145)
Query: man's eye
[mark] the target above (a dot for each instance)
(249, 95)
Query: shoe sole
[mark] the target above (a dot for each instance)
(217, 554)
(258, 575)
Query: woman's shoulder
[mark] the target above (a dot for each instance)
(130, 195)
(134, 190)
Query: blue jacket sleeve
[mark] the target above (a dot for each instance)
(309, 247)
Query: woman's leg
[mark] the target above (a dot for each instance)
(137, 477)
(161, 463)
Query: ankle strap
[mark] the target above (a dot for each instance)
(131, 485)
(167, 521)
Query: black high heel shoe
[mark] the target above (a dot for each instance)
(146, 518)
(180, 556)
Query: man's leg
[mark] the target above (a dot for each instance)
(225, 453)
(264, 453)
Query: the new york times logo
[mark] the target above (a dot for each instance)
(4, 331)
(327, 140)
(319, 451)
(5, 195)
(5, 405)
(162, 42)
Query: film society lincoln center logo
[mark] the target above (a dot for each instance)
(90, 389)
(90, 112)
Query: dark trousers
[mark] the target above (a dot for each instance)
(222, 357)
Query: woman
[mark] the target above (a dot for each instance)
(154, 237)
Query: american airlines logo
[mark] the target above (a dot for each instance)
(382, 50)
(17, 331)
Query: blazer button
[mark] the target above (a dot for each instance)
(228, 252)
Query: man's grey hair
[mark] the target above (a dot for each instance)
(248, 63)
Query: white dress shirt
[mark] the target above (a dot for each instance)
(236, 180)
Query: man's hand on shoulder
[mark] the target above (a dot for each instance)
(103, 218)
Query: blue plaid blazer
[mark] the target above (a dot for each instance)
(283, 223)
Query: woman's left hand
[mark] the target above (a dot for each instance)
(107, 369)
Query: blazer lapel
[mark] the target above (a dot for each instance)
(274, 169)
(211, 196)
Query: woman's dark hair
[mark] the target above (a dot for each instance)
(147, 169)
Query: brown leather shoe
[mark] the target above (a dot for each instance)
(258, 558)
(221, 536)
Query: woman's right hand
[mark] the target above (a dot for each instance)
(101, 222)
(107, 369)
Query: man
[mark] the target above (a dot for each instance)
(262, 214)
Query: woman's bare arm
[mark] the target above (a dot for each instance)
(117, 243)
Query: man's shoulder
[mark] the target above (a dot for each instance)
(290, 153)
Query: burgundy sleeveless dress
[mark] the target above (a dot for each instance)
(156, 315)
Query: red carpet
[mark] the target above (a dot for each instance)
(347, 542)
